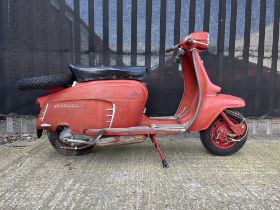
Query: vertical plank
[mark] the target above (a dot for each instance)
(232, 37)
(148, 31)
(19, 29)
(206, 17)
(2, 14)
(9, 125)
(177, 31)
(48, 31)
(106, 56)
(161, 94)
(221, 38)
(259, 86)
(19, 25)
(177, 21)
(91, 41)
(192, 16)
(5, 43)
(62, 30)
(268, 127)
(23, 126)
(77, 32)
(120, 32)
(275, 44)
(255, 127)
(34, 34)
(13, 61)
(162, 35)
(133, 32)
(4, 36)
(246, 45)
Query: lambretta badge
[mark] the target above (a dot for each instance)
(67, 106)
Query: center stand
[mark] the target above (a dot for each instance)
(154, 140)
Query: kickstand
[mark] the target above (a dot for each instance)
(154, 140)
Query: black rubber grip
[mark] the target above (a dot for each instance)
(169, 49)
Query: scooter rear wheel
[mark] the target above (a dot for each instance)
(65, 148)
(210, 141)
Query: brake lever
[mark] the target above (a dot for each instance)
(179, 55)
(176, 59)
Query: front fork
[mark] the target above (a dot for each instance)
(239, 129)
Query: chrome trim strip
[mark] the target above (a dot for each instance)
(46, 125)
(111, 115)
(164, 117)
(190, 122)
(168, 126)
(182, 113)
(181, 101)
(139, 128)
(198, 42)
(120, 129)
(44, 113)
(74, 83)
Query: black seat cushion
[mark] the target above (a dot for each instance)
(83, 73)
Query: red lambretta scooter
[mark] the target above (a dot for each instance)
(106, 106)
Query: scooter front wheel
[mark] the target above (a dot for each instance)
(215, 138)
(65, 148)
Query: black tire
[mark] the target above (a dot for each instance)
(58, 145)
(207, 142)
(45, 82)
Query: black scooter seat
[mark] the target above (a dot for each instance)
(83, 73)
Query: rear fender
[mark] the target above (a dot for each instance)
(212, 107)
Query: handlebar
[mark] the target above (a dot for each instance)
(172, 48)
(189, 40)
(180, 52)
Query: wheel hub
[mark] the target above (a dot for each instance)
(219, 134)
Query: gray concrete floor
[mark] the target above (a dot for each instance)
(131, 177)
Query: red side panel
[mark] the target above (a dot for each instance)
(212, 107)
(96, 104)
(78, 114)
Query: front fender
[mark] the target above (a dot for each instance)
(212, 107)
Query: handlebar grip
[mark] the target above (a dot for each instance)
(172, 48)
(169, 49)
